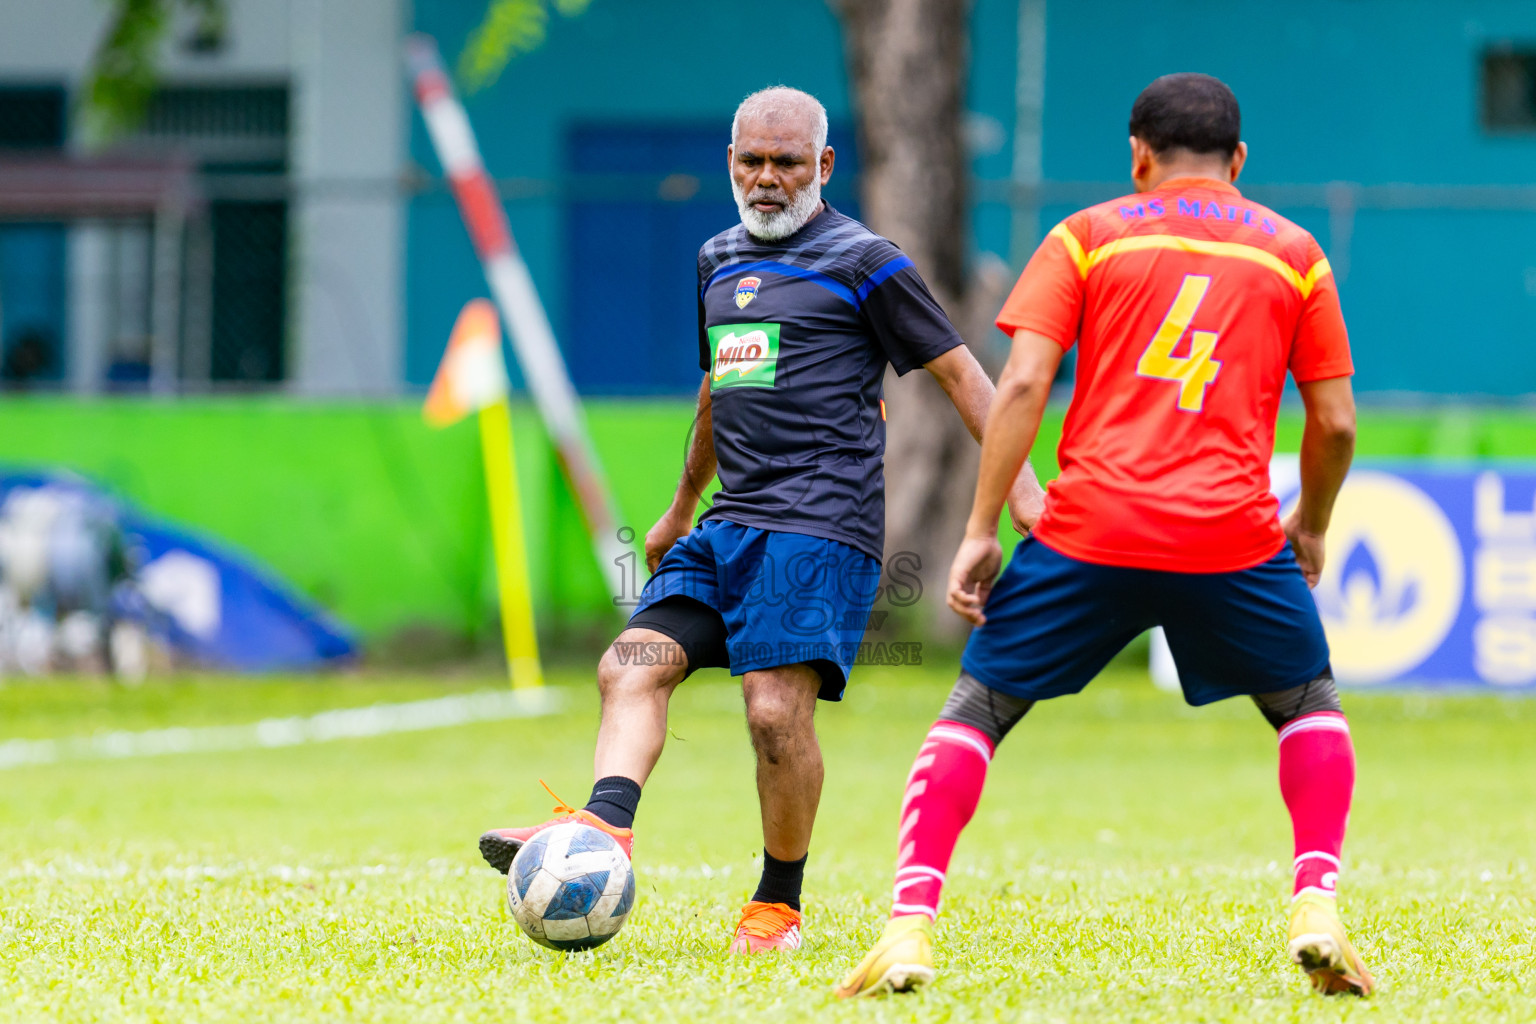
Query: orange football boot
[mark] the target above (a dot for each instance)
(765, 927)
(500, 845)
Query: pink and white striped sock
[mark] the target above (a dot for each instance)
(1317, 780)
(942, 792)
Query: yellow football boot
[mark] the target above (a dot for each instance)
(901, 961)
(1318, 946)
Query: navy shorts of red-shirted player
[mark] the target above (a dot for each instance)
(743, 598)
(1054, 622)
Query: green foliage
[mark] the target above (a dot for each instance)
(126, 65)
(510, 28)
(1129, 862)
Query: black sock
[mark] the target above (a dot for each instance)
(614, 799)
(781, 881)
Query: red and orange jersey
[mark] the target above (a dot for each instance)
(1188, 305)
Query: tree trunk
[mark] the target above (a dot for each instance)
(907, 63)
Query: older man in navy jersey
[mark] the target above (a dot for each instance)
(800, 311)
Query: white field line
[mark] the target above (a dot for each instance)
(70, 868)
(341, 724)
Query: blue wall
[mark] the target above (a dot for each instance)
(673, 66)
(652, 62)
(1367, 91)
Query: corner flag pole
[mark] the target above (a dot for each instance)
(533, 340)
(473, 377)
(512, 583)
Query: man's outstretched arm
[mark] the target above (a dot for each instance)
(969, 387)
(1013, 420)
(1327, 448)
(698, 470)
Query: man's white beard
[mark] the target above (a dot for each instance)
(783, 222)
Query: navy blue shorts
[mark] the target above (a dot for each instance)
(1054, 622)
(780, 598)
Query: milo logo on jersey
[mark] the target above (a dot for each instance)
(744, 355)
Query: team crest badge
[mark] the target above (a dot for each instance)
(746, 291)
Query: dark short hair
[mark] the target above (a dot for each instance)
(1187, 111)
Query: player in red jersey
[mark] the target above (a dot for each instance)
(1188, 304)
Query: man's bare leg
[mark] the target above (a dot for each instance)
(781, 716)
(635, 678)
(635, 697)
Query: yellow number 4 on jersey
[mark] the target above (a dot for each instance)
(1194, 372)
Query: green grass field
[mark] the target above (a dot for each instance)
(1129, 862)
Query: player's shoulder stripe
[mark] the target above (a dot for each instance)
(838, 253)
(871, 259)
(846, 258)
(1086, 259)
(718, 249)
(1299, 249)
(1303, 283)
(835, 238)
(784, 269)
(1315, 273)
(1063, 234)
(879, 259)
(893, 265)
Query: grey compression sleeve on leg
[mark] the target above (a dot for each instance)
(1282, 706)
(977, 705)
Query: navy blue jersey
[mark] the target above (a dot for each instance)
(795, 336)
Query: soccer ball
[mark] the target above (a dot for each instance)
(570, 887)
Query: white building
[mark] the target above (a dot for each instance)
(249, 235)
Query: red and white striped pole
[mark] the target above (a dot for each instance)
(533, 340)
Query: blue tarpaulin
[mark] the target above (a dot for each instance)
(207, 602)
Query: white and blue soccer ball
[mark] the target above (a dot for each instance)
(571, 887)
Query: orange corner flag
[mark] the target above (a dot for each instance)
(473, 378)
(472, 374)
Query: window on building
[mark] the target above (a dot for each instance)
(1509, 90)
(31, 117)
(32, 295)
(226, 123)
(238, 135)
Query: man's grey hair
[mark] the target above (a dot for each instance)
(781, 103)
